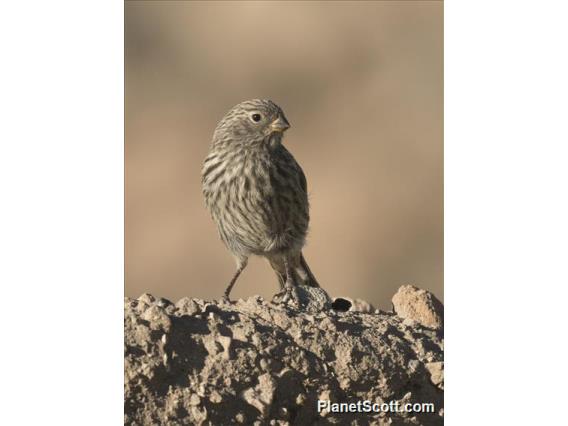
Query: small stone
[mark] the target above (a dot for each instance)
(240, 334)
(215, 397)
(436, 370)
(212, 346)
(256, 339)
(327, 324)
(194, 399)
(419, 305)
(312, 299)
(409, 322)
(201, 390)
(163, 303)
(225, 343)
(173, 407)
(188, 306)
(200, 415)
(240, 418)
(345, 383)
(147, 298)
(262, 394)
(360, 305)
(413, 365)
(157, 318)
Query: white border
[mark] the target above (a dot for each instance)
(61, 220)
(506, 211)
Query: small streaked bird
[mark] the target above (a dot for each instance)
(257, 194)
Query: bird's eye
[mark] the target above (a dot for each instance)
(256, 117)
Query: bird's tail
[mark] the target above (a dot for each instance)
(301, 272)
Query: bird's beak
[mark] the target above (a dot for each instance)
(280, 124)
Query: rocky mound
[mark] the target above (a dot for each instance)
(258, 363)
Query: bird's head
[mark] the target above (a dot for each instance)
(253, 122)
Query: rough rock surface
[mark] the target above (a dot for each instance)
(419, 305)
(256, 363)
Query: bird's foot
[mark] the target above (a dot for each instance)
(225, 299)
(288, 294)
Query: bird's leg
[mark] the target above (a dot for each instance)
(281, 281)
(241, 265)
(288, 289)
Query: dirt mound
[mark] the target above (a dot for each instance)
(254, 362)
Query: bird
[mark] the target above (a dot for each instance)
(257, 194)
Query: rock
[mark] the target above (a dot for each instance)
(311, 299)
(215, 397)
(225, 342)
(147, 298)
(163, 303)
(261, 395)
(418, 305)
(187, 306)
(194, 400)
(157, 318)
(256, 362)
(436, 370)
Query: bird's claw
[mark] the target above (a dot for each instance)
(225, 299)
(287, 294)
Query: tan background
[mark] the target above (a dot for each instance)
(362, 85)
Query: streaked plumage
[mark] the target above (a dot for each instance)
(256, 192)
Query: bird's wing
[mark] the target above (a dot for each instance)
(291, 160)
(303, 181)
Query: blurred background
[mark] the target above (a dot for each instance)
(362, 85)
